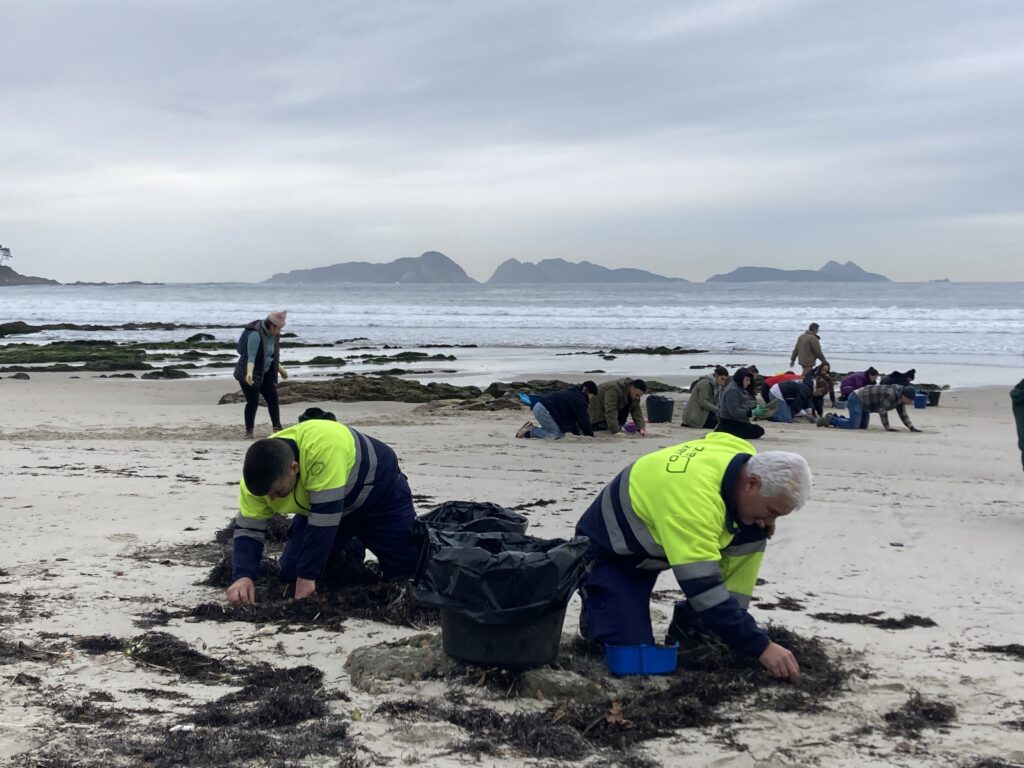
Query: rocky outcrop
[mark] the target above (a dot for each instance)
(429, 267)
(832, 272)
(9, 277)
(561, 271)
(353, 388)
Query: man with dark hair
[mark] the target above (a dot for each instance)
(561, 412)
(338, 484)
(615, 402)
(874, 398)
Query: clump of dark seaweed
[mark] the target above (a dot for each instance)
(917, 714)
(875, 619)
(1013, 649)
(97, 644)
(347, 589)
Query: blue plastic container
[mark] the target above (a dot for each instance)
(921, 400)
(641, 659)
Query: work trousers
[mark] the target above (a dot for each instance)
(267, 388)
(617, 604)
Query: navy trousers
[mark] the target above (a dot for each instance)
(617, 604)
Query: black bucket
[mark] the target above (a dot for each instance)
(522, 645)
(933, 397)
(659, 408)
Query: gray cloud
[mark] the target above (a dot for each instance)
(207, 141)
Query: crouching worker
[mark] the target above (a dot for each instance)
(338, 484)
(705, 509)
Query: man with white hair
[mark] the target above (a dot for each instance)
(705, 509)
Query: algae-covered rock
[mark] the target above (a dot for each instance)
(354, 388)
(419, 657)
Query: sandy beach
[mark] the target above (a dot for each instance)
(108, 483)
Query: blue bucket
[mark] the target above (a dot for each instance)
(921, 400)
(641, 659)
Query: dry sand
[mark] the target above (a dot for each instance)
(106, 480)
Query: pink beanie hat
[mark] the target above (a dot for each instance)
(278, 318)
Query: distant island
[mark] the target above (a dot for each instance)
(435, 267)
(9, 277)
(430, 267)
(832, 272)
(549, 271)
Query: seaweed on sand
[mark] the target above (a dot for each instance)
(917, 714)
(707, 678)
(346, 590)
(97, 644)
(1013, 649)
(874, 619)
(271, 698)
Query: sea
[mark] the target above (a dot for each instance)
(960, 334)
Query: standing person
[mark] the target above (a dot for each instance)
(874, 398)
(616, 401)
(705, 509)
(259, 364)
(856, 381)
(807, 349)
(561, 412)
(701, 409)
(737, 408)
(337, 483)
(1017, 398)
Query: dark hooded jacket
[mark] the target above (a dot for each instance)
(568, 407)
(737, 404)
(257, 326)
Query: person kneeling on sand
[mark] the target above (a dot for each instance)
(561, 412)
(338, 484)
(738, 407)
(705, 509)
(874, 398)
(615, 402)
(701, 409)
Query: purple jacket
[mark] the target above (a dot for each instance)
(852, 382)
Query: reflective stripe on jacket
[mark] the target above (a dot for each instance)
(339, 469)
(675, 508)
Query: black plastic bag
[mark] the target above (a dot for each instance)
(478, 516)
(499, 578)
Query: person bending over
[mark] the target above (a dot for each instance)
(561, 412)
(704, 509)
(615, 402)
(874, 398)
(337, 484)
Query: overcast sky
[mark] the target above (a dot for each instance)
(194, 140)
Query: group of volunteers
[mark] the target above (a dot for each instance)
(587, 408)
(703, 509)
(728, 403)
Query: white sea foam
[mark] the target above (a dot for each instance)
(947, 323)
